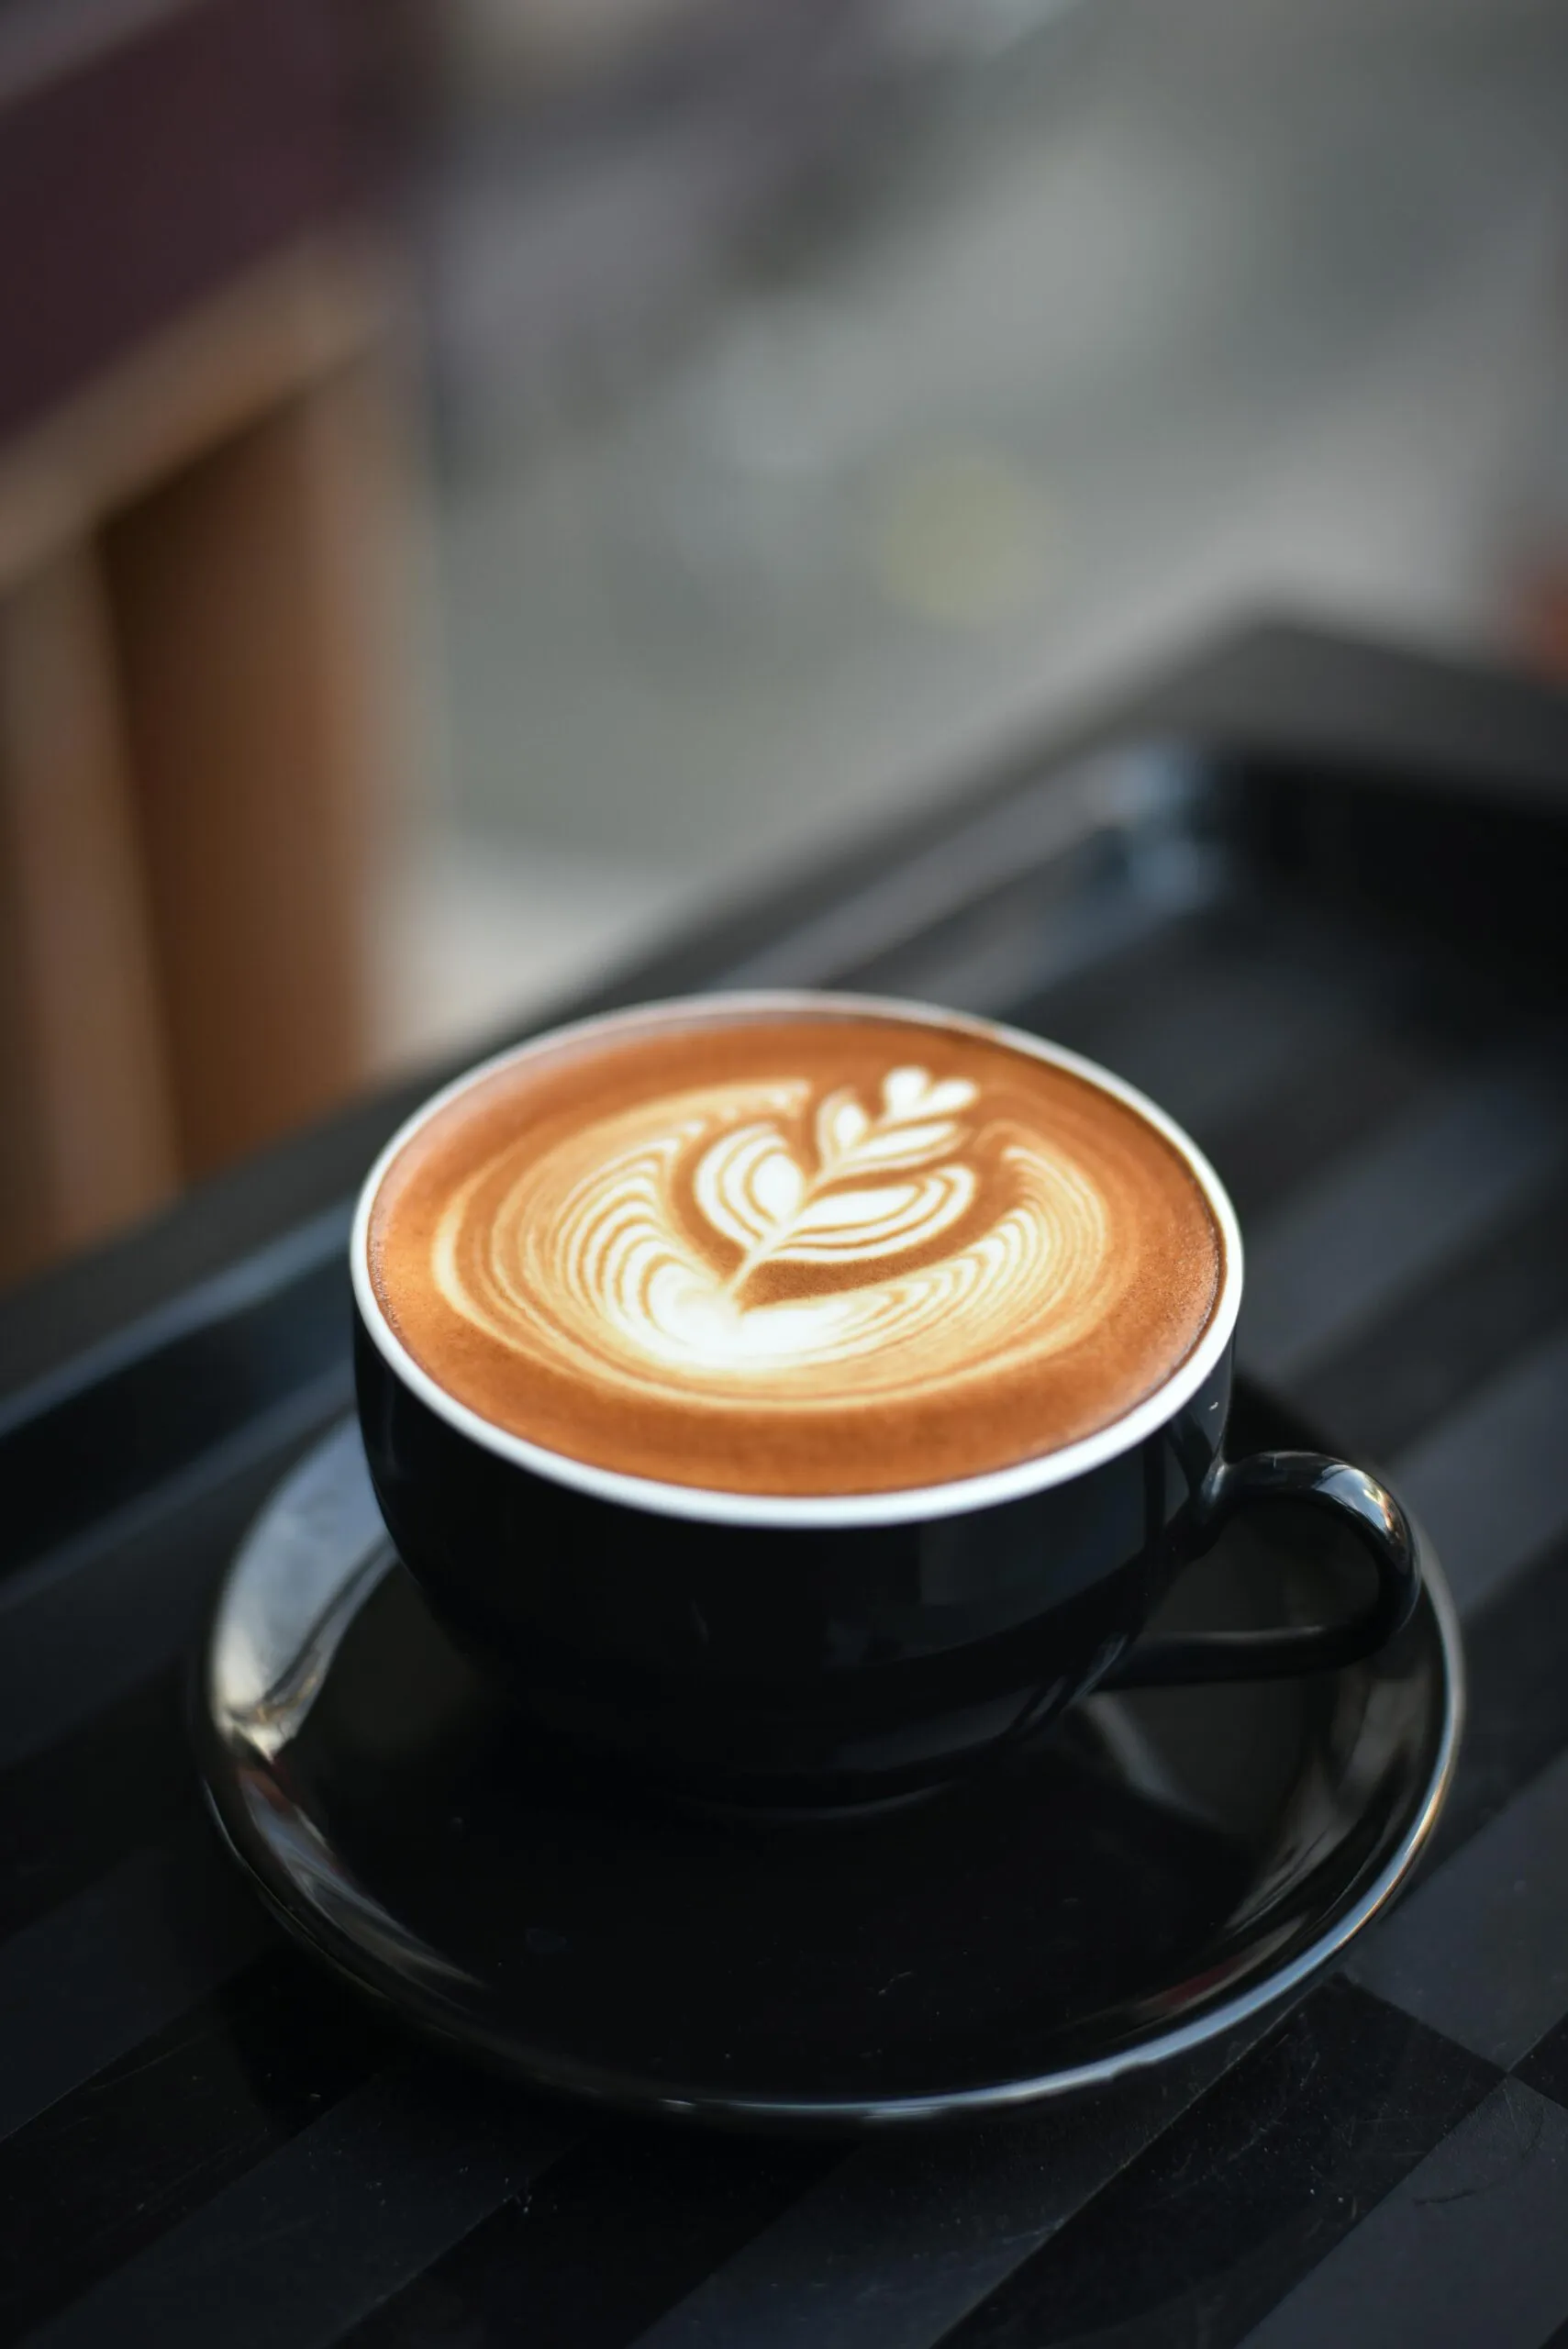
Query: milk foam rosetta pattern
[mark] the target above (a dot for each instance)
(783, 1243)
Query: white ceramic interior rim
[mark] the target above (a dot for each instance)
(898, 1506)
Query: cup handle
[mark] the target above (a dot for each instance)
(1359, 1501)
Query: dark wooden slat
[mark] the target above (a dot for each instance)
(1469, 2248)
(171, 1391)
(70, 1813)
(1490, 1303)
(1197, 1017)
(1480, 1950)
(673, 2204)
(80, 1631)
(1210, 2227)
(1517, 1670)
(1546, 2066)
(1420, 724)
(1316, 1110)
(114, 1966)
(1489, 1480)
(306, 2244)
(1340, 1256)
(896, 2246)
(184, 2113)
(1046, 930)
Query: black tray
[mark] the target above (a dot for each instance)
(1310, 896)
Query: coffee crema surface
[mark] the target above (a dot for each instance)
(794, 1253)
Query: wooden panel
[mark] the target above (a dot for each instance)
(85, 1129)
(248, 600)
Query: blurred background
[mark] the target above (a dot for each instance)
(479, 482)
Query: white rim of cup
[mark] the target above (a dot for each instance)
(906, 1503)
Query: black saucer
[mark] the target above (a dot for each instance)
(1162, 1866)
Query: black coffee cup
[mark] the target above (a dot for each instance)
(816, 1649)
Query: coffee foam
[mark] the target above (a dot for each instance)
(820, 1253)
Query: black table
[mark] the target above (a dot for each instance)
(1308, 893)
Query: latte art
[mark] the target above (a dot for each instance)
(657, 1247)
(796, 1248)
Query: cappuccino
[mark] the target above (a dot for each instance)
(794, 1249)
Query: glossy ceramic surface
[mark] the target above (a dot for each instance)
(786, 1665)
(1150, 1874)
